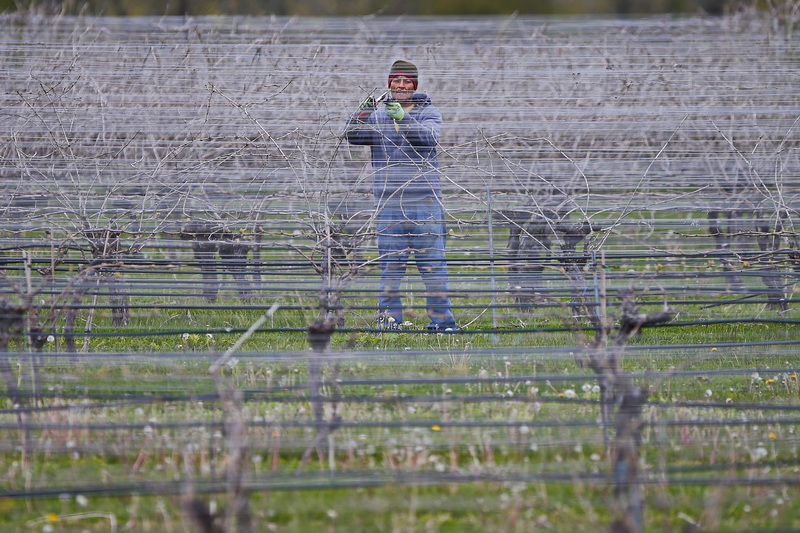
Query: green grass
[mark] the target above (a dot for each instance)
(449, 508)
(525, 374)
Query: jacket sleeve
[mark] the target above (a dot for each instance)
(360, 129)
(422, 129)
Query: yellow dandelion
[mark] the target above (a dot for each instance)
(52, 517)
(713, 349)
(436, 428)
(793, 376)
(772, 435)
(770, 380)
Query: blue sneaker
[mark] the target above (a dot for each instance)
(438, 328)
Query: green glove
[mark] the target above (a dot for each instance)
(365, 109)
(368, 103)
(395, 110)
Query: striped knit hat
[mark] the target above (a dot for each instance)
(404, 68)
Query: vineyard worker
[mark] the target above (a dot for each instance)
(406, 184)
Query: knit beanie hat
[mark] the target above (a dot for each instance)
(404, 68)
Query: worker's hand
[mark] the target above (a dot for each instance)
(368, 103)
(395, 110)
(365, 109)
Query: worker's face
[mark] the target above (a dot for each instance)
(402, 88)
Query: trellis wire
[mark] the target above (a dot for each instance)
(676, 140)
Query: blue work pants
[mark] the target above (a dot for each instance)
(416, 227)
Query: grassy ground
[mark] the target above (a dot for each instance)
(493, 428)
(476, 431)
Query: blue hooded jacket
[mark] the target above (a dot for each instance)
(403, 152)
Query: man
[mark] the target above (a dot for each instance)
(403, 135)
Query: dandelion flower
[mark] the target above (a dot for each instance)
(436, 428)
(708, 393)
(569, 393)
(52, 517)
(772, 435)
